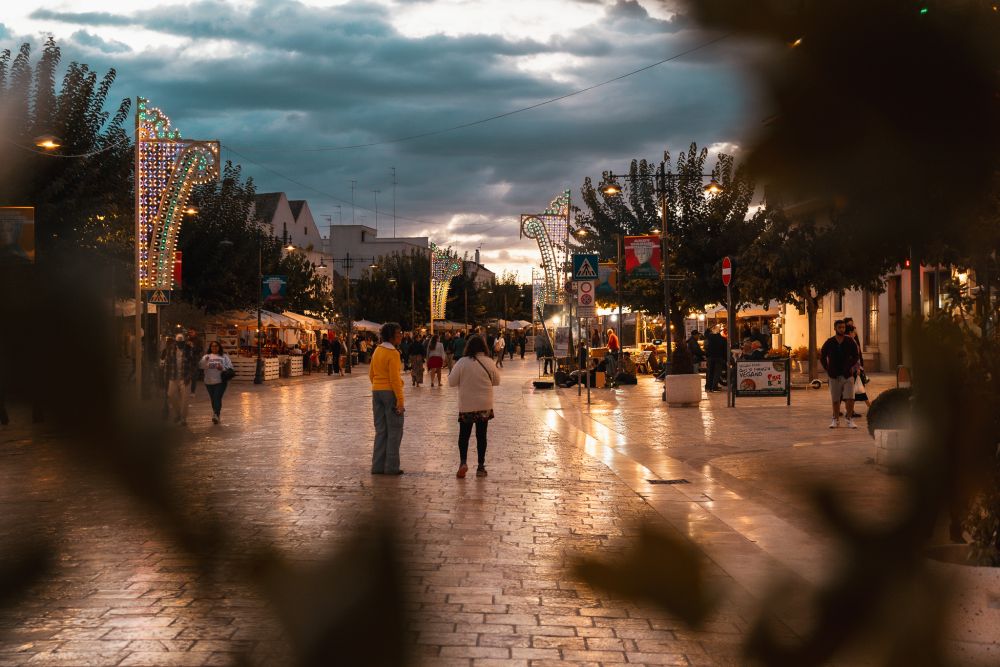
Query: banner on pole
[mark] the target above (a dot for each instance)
(607, 281)
(274, 288)
(642, 256)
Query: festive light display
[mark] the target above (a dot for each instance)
(537, 294)
(551, 230)
(445, 265)
(167, 168)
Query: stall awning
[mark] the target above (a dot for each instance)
(309, 322)
(773, 309)
(366, 325)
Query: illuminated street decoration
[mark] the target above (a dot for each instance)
(551, 230)
(537, 294)
(445, 265)
(167, 168)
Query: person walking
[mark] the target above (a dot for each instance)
(178, 367)
(449, 350)
(543, 350)
(475, 375)
(715, 353)
(197, 350)
(614, 352)
(839, 357)
(215, 364)
(522, 344)
(385, 373)
(417, 361)
(435, 358)
(861, 382)
(458, 346)
(498, 348)
(336, 352)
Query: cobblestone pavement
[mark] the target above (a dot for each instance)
(486, 559)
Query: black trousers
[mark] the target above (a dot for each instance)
(713, 371)
(465, 432)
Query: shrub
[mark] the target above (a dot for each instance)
(891, 410)
(801, 353)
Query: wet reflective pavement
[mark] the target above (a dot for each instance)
(486, 559)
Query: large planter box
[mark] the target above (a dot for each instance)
(682, 389)
(973, 617)
(893, 447)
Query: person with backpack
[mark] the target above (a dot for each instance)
(475, 374)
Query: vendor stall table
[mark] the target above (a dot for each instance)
(246, 367)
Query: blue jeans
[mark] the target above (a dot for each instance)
(388, 432)
(215, 392)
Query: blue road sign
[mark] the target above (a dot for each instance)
(585, 267)
(158, 297)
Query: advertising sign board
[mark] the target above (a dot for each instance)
(642, 256)
(769, 377)
(274, 288)
(17, 234)
(607, 281)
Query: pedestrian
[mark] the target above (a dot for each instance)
(458, 346)
(498, 348)
(417, 361)
(387, 400)
(839, 357)
(715, 353)
(860, 384)
(509, 345)
(543, 350)
(324, 354)
(614, 351)
(475, 375)
(197, 349)
(218, 368)
(522, 344)
(490, 344)
(697, 354)
(336, 355)
(446, 341)
(435, 358)
(595, 338)
(178, 369)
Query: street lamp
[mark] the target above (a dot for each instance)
(662, 178)
(48, 142)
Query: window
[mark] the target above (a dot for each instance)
(838, 302)
(869, 336)
(305, 230)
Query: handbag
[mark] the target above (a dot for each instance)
(864, 377)
(228, 374)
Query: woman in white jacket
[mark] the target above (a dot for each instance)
(475, 375)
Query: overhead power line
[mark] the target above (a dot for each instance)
(481, 121)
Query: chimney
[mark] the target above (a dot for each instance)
(477, 256)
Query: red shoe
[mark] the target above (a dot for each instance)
(462, 469)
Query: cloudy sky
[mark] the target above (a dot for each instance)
(282, 81)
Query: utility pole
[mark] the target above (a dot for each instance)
(393, 202)
(375, 192)
(353, 221)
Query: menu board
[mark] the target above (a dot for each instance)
(762, 378)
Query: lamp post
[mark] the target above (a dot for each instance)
(661, 179)
(348, 262)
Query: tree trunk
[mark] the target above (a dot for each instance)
(811, 304)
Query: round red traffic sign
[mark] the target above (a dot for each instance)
(727, 271)
(586, 299)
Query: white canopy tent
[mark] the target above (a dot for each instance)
(517, 325)
(366, 325)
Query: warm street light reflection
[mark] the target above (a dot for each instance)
(48, 142)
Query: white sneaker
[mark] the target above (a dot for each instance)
(851, 424)
(834, 423)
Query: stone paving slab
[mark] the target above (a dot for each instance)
(486, 559)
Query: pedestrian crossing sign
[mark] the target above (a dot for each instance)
(158, 297)
(585, 266)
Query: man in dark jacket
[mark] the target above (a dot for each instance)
(840, 358)
(715, 352)
(178, 369)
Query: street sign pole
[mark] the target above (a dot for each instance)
(730, 327)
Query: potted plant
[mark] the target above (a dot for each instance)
(889, 424)
(800, 356)
(683, 385)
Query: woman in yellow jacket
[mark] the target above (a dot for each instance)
(387, 400)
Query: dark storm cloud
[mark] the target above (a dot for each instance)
(287, 76)
(84, 38)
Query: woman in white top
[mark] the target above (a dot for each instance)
(435, 359)
(498, 347)
(216, 364)
(475, 375)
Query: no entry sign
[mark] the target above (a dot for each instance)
(727, 271)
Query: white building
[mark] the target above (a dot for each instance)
(879, 317)
(291, 221)
(482, 277)
(363, 242)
